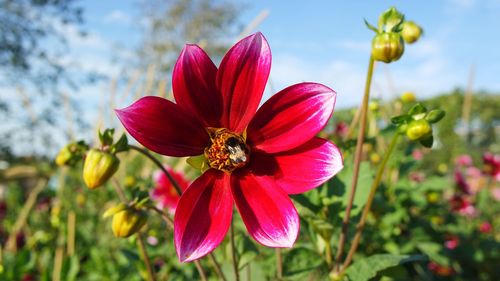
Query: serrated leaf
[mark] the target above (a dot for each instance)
(367, 268)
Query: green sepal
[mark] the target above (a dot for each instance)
(106, 137)
(435, 115)
(402, 128)
(400, 119)
(115, 209)
(121, 145)
(428, 141)
(416, 110)
(371, 27)
(391, 20)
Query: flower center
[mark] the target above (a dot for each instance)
(227, 150)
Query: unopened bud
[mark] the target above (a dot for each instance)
(435, 115)
(408, 97)
(411, 32)
(128, 221)
(418, 129)
(64, 156)
(387, 47)
(99, 166)
(71, 153)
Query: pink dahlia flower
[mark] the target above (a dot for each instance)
(254, 158)
(164, 192)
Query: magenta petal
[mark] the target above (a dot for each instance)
(266, 210)
(194, 85)
(291, 117)
(308, 166)
(241, 79)
(164, 127)
(203, 216)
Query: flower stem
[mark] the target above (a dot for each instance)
(366, 210)
(328, 253)
(147, 261)
(357, 161)
(218, 270)
(233, 252)
(159, 164)
(203, 277)
(279, 264)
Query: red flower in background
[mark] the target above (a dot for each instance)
(164, 192)
(485, 227)
(255, 158)
(492, 165)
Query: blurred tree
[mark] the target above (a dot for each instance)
(32, 47)
(26, 26)
(169, 25)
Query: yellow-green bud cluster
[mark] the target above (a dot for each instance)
(416, 124)
(392, 32)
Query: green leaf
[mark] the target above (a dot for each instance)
(302, 262)
(365, 179)
(367, 268)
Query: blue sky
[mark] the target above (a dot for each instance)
(327, 42)
(320, 41)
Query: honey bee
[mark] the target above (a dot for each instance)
(237, 151)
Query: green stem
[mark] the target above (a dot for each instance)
(328, 253)
(203, 277)
(233, 252)
(357, 161)
(159, 164)
(147, 261)
(366, 210)
(279, 264)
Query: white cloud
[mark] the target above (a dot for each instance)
(117, 17)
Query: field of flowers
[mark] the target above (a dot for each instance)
(212, 184)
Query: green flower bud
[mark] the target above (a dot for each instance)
(411, 32)
(418, 130)
(435, 115)
(99, 166)
(408, 97)
(128, 221)
(64, 156)
(373, 106)
(71, 153)
(387, 47)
